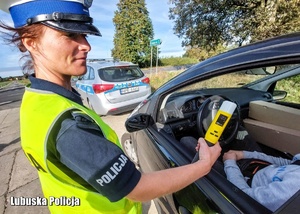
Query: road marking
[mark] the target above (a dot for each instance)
(7, 102)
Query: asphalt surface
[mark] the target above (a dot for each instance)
(18, 179)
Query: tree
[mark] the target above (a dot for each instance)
(202, 54)
(206, 24)
(133, 32)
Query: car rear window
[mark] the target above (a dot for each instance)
(120, 74)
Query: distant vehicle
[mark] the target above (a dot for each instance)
(113, 87)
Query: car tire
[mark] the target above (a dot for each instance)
(129, 148)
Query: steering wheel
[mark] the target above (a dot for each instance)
(206, 114)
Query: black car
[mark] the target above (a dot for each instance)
(263, 80)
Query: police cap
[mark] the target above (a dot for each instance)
(65, 15)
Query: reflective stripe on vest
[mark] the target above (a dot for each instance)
(40, 117)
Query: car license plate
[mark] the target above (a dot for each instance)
(129, 90)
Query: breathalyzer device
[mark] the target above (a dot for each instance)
(219, 122)
(218, 125)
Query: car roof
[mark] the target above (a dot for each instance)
(267, 52)
(104, 63)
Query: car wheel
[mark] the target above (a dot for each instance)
(129, 149)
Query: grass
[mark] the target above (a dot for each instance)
(5, 83)
(157, 80)
(2, 84)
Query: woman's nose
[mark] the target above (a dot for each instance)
(84, 45)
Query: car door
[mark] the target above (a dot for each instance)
(165, 152)
(81, 85)
(85, 86)
(203, 196)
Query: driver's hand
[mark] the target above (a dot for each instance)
(233, 155)
(208, 153)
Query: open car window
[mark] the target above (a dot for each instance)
(249, 78)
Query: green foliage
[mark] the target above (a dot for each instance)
(157, 80)
(133, 32)
(175, 61)
(207, 24)
(276, 18)
(202, 54)
(292, 86)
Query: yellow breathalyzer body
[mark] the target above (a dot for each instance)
(220, 122)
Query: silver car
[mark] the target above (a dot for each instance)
(113, 87)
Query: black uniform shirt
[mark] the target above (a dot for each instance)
(84, 149)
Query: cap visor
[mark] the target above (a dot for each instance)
(73, 27)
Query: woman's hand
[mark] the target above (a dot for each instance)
(206, 153)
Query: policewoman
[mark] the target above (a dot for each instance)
(75, 153)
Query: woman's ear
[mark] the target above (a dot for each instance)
(29, 44)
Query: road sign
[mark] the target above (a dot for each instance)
(155, 42)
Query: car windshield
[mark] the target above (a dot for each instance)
(242, 78)
(120, 74)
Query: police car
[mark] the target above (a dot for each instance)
(112, 87)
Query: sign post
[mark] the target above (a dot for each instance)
(154, 42)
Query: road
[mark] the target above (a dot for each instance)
(10, 98)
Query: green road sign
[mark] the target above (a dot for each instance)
(155, 42)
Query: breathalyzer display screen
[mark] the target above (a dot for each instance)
(221, 120)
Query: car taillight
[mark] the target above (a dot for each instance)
(98, 88)
(146, 80)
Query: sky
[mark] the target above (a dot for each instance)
(103, 13)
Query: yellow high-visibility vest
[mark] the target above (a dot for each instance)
(65, 192)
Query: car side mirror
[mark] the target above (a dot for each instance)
(279, 95)
(137, 122)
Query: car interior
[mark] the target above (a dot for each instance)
(272, 124)
(275, 126)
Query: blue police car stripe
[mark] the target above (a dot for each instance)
(125, 85)
(86, 88)
(33, 8)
